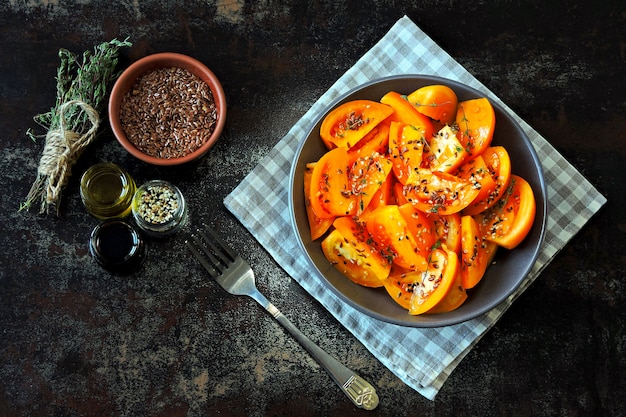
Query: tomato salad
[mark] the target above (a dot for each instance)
(411, 196)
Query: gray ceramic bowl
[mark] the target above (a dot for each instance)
(502, 277)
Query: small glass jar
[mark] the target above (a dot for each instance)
(159, 208)
(117, 246)
(107, 191)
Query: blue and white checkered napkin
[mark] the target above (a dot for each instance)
(422, 358)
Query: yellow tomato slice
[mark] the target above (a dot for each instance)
(509, 221)
(398, 193)
(443, 268)
(348, 123)
(376, 141)
(478, 174)
(355, 232)
(400, 287)
(383, 196)
(405, 113)
(444, 151)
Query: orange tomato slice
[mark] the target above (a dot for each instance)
(383, 196)
(366, 176)
(421, 227)
(405, 113)
(376, 141)
(355, 232)
(393, 238)
(355, 264)
(477, 172)
(400, 287)
(439, 102)
(421, 291)
(453, 300)
(317, 226)
(448, 230)
(509, 221)
(498, 164)
(443, 269)
(406, 144)
(331, 193)
(398, 193)
(348, 123)
(444, 151)
(477, 121)
(476, 253)
(439, 192)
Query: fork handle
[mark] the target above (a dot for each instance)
(360, 392)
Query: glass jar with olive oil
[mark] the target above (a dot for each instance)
(107, 191)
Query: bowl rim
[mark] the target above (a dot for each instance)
(161, 60)
(441, 319)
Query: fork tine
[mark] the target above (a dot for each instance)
(212, 252)
(223, 246)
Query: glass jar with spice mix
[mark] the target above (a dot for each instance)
(107, 191)
(159, 208)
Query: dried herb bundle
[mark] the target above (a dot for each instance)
(82, 89)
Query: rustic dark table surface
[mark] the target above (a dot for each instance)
(77, 341)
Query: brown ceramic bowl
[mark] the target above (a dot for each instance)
(154, 62)
(510, 267)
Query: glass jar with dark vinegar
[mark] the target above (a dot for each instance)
(117, 246)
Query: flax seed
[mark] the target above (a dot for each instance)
(168, 113)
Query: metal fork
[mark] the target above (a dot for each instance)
(237, 277)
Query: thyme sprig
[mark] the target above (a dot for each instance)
(81, 92)
(87, 81)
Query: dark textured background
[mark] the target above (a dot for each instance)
(76, 341)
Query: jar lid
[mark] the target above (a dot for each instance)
(117, 246)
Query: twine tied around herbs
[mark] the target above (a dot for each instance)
(72, 124)
(62, 149)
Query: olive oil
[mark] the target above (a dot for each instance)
(106, 187)
(107, 191)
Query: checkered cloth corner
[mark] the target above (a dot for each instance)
(421, 358)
